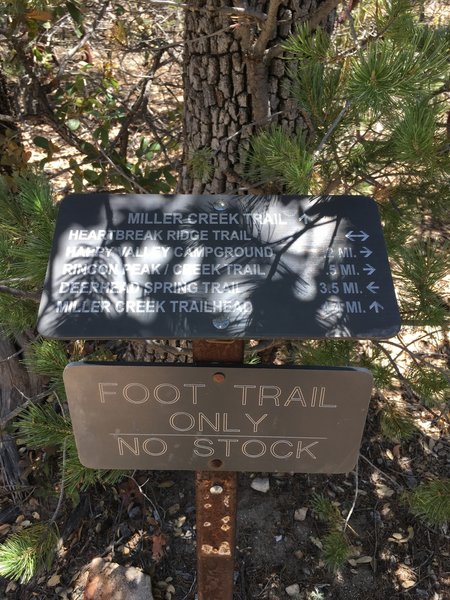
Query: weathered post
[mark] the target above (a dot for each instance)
(216, 496)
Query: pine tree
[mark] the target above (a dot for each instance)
(372, 98)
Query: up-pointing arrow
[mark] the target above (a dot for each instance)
(352, 236)
(305, 218)
(376, 306)
(372, 287)
(369, 269)
(366, 252)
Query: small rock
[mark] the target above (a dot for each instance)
(260, 484)
(293, 590)
(172, 510)
(53, 581)
(300, 514)
(110, 581)
(134, 511)
(299, 554)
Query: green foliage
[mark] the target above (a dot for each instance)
(326, 510)
(430, 502)
(336, 547)
(16, 316)
(276, 158)
(421, 266)
(431, 385)
(327, 353)
(79, 478)
(49, 358)
(390, 70)
(40, 426)
(27, 216)
(28, 552)
(200, 163)
(414, 138)
(395, 422)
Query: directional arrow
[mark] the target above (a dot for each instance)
(376, 306)
(365, 251)
(369, 269)
(372, 287)
(305, 218)
(352, 236)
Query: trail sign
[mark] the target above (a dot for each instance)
(148, 266)
(305, 420)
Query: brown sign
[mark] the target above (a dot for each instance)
(305, 420)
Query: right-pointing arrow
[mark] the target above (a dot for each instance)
(365, 251)
(369, 269)
(376, 306)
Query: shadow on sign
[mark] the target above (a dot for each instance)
(212, 266)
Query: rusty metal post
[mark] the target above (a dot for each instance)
(216, 497)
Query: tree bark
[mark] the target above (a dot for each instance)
(235, 81)
(16, 385)
(12, 153)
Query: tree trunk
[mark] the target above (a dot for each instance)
(235, 81)
(12, 153)
(14, 387)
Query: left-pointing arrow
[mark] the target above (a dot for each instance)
(372, 287)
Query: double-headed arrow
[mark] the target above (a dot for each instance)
(376, 306)
(352, 236)
(369, 269)
(372, 287)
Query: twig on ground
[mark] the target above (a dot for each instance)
(262, 346)
(13, 414)
(61, 490)
(352, 508)
(170, 349)
(156, 512)
(397, 485)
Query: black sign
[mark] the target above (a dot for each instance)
(148, 266)
(305, 420)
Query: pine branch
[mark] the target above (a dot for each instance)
(267, 30)
(20, 293)
(331, 129)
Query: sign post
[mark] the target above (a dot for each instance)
(216, 497)
(218, 270)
